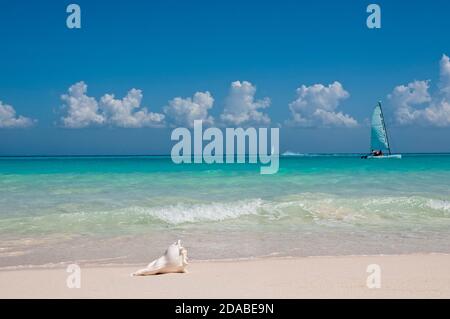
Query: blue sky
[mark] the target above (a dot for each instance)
(170, 49)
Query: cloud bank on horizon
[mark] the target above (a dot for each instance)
(317, 105)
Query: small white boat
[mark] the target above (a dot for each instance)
(379, 141)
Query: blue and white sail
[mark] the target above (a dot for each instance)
(379, 137)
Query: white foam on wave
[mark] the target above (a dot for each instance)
(185, 213)
(439, 204)
(289, 153)
(327, 208)
(299, 209)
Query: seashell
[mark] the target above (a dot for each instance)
(174, 260)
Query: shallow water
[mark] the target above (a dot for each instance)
(127, 209)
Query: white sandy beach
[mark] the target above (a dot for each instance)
(402, 276)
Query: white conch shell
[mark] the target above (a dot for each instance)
(174, 260)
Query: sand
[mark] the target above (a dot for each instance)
(402, 276)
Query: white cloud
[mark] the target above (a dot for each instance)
(413, 104)
(84, 111)
(183, 111)
(9, 119)
(127, 112)
(444, 83)
(405, 97)
(316, 106)
(241, 106)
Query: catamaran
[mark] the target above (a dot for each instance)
(379, 141)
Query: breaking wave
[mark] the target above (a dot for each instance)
(295, 211)
(190, 213)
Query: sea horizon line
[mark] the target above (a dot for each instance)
(284, 154)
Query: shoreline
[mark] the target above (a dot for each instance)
(96, 264)
(401, 276)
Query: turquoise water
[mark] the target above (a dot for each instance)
(127, 209)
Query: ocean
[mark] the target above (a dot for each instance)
(122, 210)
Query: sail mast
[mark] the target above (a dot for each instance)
(384, 127)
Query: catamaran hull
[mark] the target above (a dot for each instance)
(393, 156)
